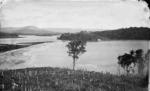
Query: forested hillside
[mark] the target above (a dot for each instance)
(119, 34)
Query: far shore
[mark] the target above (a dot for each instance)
(9, 47)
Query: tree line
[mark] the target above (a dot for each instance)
(132, 33)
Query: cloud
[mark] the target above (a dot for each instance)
(102, 14)
(61, 0)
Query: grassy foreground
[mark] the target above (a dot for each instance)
(63, 79)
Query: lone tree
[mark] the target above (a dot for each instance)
(75, 49)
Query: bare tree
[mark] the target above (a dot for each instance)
(75, 49)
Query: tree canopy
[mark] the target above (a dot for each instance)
(75, 49)
(135, 57)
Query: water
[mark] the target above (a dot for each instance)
(27, 38)
(100, 56)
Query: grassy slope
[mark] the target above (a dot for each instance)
(61, 79)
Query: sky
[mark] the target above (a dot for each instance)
(85, 14)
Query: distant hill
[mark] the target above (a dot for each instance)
(29, 30)
(133, 33)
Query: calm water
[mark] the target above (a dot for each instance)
(100, 56)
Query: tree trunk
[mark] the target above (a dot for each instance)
(127, 70)
(74, 63)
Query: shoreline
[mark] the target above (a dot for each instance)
(13, 58)
(18, 46)
(16, 58)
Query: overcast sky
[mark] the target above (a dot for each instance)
(98, 14)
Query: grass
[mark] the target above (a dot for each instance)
(63, 79)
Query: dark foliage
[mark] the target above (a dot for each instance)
(119, 34)
(125, 60)
(126, 34)
(83, 35)
(137, 58)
